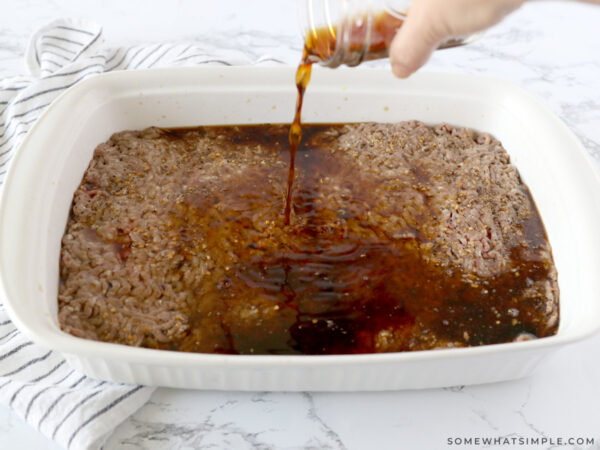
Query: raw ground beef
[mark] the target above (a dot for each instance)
(176, 241)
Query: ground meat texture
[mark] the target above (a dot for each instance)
(402, 237)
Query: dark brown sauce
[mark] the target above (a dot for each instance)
(333, 281)
(295, 135)
(320, 45)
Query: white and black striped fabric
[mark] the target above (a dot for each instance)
(73, 410)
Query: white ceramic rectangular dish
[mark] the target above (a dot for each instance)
(49, 166)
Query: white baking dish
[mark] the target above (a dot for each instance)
(49, 166)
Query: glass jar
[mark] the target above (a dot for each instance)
(349, 32)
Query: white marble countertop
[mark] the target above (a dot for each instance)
(552, 50)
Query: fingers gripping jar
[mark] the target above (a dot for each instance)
(349, 32)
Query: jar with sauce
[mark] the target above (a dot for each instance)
(349, 32)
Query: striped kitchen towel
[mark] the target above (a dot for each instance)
(75, 411)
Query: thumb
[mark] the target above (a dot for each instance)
(413, 44)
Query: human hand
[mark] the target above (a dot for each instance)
(429, 22)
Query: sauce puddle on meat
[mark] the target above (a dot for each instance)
(403, 237)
